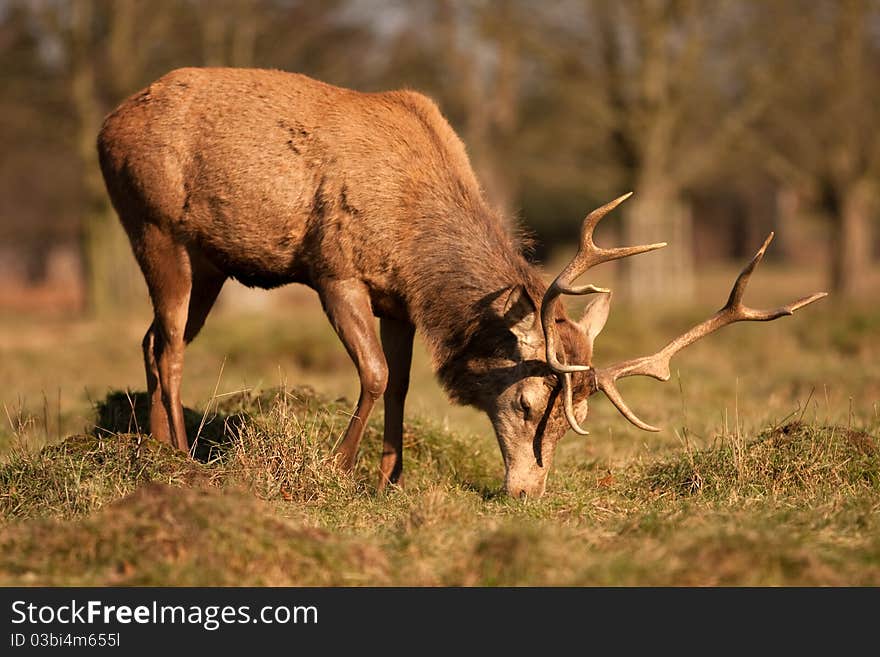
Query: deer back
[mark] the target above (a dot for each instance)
(279, 178)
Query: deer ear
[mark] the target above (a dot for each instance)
(519, 312)
(595, 315)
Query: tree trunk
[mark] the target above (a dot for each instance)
(851, 242)
(488, 98)
(665, 276)
(111, 277)
(788, 224)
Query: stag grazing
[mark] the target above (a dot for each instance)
(368, 198)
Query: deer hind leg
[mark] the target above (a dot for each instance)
(159, 425)
(397, 343)
(347, 304)
(183, 289)
(206, 285)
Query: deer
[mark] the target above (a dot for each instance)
(271, 177)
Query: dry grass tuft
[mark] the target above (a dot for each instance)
(797, 460)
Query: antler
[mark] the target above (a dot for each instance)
(588, 255)
(657, 365)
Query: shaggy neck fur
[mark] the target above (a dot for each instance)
(465, 268)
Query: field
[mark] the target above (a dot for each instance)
(767, 471)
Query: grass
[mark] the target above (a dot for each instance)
(767, 472)
(796, 505)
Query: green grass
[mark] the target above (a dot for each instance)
(797, 504)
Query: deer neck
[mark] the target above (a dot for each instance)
(461, 280)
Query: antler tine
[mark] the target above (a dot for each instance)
(588, 255)
(742, 281)
(606, 385)
(568, 405)
(657, 365)
(735, 305)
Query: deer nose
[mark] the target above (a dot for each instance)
(523, 495)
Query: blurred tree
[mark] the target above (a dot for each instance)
(479, 44)
(749, 112)
(34, 216)
(229, 31)
(663, 87)
(821, 137)
(103, 47)
(466, 55)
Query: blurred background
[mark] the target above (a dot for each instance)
(728, 119)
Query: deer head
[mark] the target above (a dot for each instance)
(536, 409)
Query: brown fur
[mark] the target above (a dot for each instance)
(274, 178)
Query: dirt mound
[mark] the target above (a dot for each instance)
(84, 472)
(796, 458)
(211, 431)
(162, 535)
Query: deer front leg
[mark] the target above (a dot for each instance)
(397, 342)
(347, 304)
